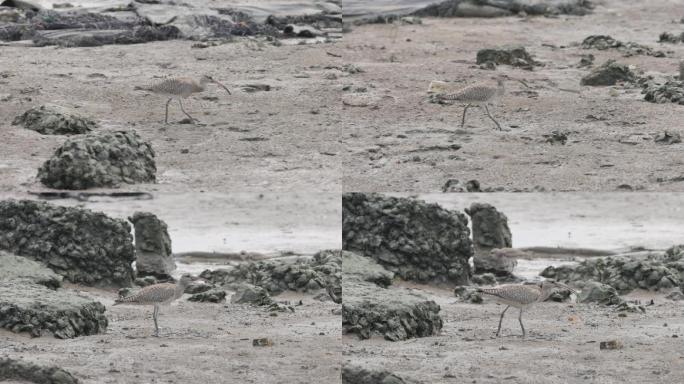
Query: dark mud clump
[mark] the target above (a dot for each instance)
(514, 56)
(322, 271)
(670, 92)
(365, 269)
(12, 369)
(624, 273)
(152, 246)
(20, 269)
(495, 8)
(105, 159)
(352, 374)
(35, 309)
(54, 120)
(595, 292)
(251, 294)
(609, 73)
(84, 246)
(671, 38)
(604, 42)
(395, 314)
(415, 240)
(210, 296)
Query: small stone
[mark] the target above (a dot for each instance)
(263, 342)
(611, 344)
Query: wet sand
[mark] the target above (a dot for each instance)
(610, 137)
(562, 344)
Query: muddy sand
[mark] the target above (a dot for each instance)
(198, 343)
(562, 344)
(393, 141)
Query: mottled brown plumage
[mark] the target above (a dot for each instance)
(182, 87)
(477, 94)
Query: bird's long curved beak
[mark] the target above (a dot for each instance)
(222, 86)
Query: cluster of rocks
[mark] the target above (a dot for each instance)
(210, 296)
(18, 370)
(670, 92)
(415, 240)
(83, 246)
(624, 273)
(604, 42)
(104, 159)
(513, 56)
(673, 38)
(609, 73)
(143, 21)
(50, 119)
(323, 271)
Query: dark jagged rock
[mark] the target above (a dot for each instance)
(672, 38)
(52, 119)
(604, 42)
(622, 273)
(609, 73)
(415, 240)
(251, 294)
(497, 8)
(595, 292)
(490, 228)
(32, 308)
(21, 269)
(322, 271)
(145, 281)
(670, 92)
(152, 246)
(365, 269)
(198, 287)
(105, 159)
(83, 246)
(12, 369)
(395, 314)
(514, 56)
(352, 374)
(96, 38)
(455, 185)
(210, 296)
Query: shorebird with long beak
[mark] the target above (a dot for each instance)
(180, 88)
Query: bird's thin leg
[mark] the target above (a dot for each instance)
(186, 114)
(166, 117)
(521, 324)
(464, 115)
(154, 316)
(501, 319)
(491, 117)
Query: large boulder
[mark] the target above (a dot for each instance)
(152, 246)
(595, 292)
(20, 269)
(415, 240)
(12, 369)
(369, 310)
(609, 73)
(365, 269)
(322, 271)
(496, 261)
(104, 159)
(32, 308)
(50, 119)
(83, 246)
(490, 228)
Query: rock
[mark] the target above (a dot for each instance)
(198, 286)
(454, 185)
(15, 370)
(250, 294)
(586, 61)
(365, 269)
(105, 159)
(595, 292)
(32, 308)
(210, 296)
(20, 269)
(676, 295)
(672, 38)
(490, 228)
(145, 281)
(604, 42)
(668, 138)
(352, 374)
(468, 294)
(395, 314)
(514, 56)
(96, 38)
(494, 262)
(263, 342)
(609, 73)
(611, 344)
(83, 246)
(415, 240)
(480, 8)
(335, 292)
(322, 271)
(50, 119)
(670, 92)
(152, 246)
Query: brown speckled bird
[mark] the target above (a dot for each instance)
(479, 94)
(157, 294)
(180, 88)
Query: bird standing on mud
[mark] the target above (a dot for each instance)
(180, 88)
(479, 94)
(522, 296)
(157, 294)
